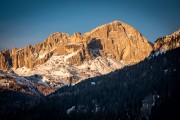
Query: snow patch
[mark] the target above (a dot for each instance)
(165, 71)
(70, 55)
(93, 83)
(70, 110)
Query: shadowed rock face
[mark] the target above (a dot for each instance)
(120, 40)
(168, 42)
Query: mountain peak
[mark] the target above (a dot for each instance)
(76, 37)
(57, 36)
(118, 27)
(77, 33)
(63, 59)
(116, 23)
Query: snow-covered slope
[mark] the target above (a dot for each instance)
(58, 72)
(27, 84)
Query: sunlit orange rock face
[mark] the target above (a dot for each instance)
(4, 59)
(120, 40)
(168, 42)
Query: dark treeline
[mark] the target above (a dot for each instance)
(116, 96)
(12, 101)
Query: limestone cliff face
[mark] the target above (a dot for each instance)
(31, 56)
(168, 42)
(5, 60)
(120, 40)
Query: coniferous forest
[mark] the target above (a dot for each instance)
(147, 90)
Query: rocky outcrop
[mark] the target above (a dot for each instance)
(168, 42)
(76, 38)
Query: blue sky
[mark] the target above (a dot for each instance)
(24, 22)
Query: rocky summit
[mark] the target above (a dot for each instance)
(63, 59)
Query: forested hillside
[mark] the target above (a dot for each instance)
(149, 89)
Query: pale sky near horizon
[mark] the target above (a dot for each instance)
(24, 22)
